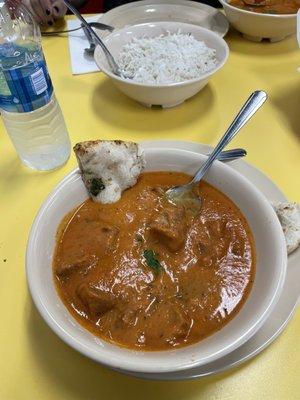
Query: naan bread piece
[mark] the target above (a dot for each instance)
(289, 217)
(108, 167)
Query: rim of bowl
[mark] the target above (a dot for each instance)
(114, 363)
(165, 85)
(211, 11)
(149, 3)
(259, 15)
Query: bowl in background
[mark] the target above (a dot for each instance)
(255, 26)
(165, 95)
(268, 282)
(190, 12)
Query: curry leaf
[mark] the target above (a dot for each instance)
(151, 260)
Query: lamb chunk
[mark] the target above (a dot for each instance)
(103, 242)
(172, 324)
(96, 300)
(66, 268)
(169, 227)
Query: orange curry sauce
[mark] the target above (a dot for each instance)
(145, 274)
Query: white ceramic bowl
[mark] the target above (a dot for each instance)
(190, 12)
(167, 95)
(270, 274)
(255, 26)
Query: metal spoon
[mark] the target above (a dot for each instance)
(90, 50)
(101, 26)
(111, 61)
(97, 25)
(232, 154)
(184, 194)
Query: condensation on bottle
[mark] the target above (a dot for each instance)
(29, 109)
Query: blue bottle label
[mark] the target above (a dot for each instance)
(26, 88)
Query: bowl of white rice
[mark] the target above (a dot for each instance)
(167, 62)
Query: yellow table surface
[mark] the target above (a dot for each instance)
(34, 363)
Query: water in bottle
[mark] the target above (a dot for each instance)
(30, 111)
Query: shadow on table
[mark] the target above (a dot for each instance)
(120, 111)
(288, 106)
(15, 177)
(238, 44)
(13, 171)
(77, 377)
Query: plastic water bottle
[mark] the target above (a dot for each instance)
(30, 111)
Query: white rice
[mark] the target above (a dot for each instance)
(166, 59)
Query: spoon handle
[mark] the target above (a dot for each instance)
(88, 36)
(233, 154)
(254, 102)
(111, 61)
(103, 27)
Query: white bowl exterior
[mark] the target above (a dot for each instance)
(271, 265)
(260, 25)
(164, 95)
(167, 97)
